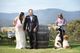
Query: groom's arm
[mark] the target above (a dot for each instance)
(24, 24)
(37, 23)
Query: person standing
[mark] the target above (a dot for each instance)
(31, 25)
(61, 22)
(19, 32)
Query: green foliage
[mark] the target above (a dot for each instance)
(73, 30)
(3, 34)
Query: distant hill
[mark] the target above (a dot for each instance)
(49, 15)
(45, 16)
(7, 18)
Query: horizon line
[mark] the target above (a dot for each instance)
(44, 9)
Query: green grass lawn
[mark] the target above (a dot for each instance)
(11, 49)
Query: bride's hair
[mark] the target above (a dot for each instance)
(20, 16)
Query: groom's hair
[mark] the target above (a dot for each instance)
(30, 11)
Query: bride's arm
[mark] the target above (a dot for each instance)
(14, 21)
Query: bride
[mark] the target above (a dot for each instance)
(19, 32)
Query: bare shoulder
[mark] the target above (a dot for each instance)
(16, 17)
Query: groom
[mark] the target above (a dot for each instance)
(31, 24)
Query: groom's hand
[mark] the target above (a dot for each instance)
(34, 29)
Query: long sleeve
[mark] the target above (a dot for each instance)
(37, 23)
(65, 22)
(56, 23)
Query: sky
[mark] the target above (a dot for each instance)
(12, 6)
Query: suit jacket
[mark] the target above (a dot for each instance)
(30, 25)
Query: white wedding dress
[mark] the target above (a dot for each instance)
(20, 35)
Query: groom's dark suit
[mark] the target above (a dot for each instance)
(30, 25)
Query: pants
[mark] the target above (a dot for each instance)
(33, 39)
(62, 33)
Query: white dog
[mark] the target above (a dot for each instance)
(57, 39)
(54, 27)
(57, 42)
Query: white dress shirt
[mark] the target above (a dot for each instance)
(31, 18)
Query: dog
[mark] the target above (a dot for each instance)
(52, 26)
(57, 44)
(65, 42)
